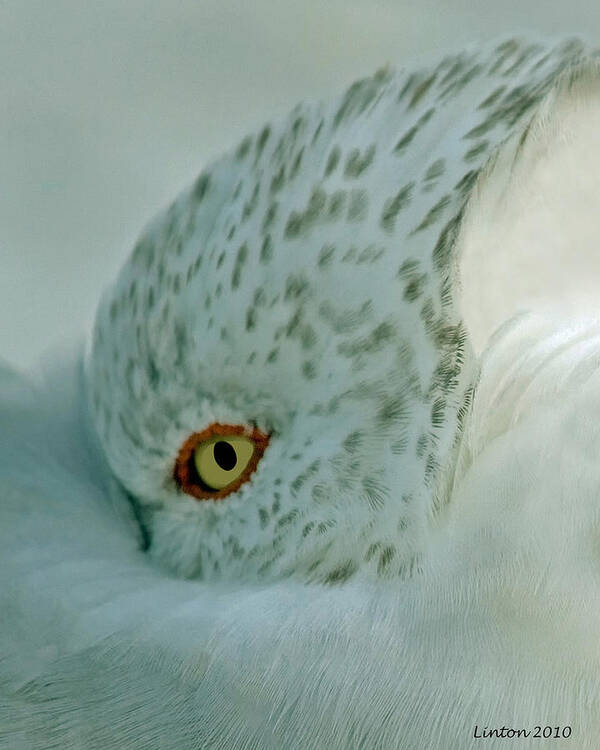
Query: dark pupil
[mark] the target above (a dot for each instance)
(224, 454)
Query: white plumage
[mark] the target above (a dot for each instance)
(409, 565)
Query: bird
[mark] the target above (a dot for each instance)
(313, 481)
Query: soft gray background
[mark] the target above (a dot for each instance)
(109, 108)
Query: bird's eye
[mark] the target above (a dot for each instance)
(217, 461)
(220, 461)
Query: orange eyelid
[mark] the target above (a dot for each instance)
(184, 473)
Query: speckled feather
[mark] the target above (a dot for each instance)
(306, 283)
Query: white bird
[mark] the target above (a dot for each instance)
(282, 500)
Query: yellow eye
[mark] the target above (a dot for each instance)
(220, 461)
(216, 462)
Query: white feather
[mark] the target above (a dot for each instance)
(101, 647)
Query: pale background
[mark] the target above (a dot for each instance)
(109, 108)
